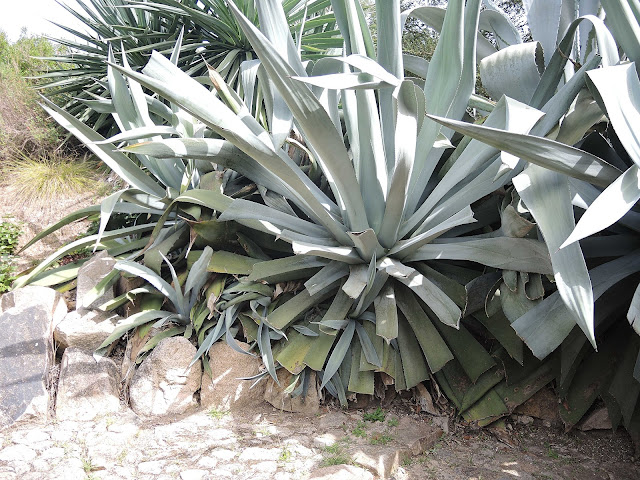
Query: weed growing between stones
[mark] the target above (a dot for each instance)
(377, 416)
(360, 431)
(216, 414)
(335, 456)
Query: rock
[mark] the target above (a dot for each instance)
(26, 353)
(153, 467)
(28, 296)
(596, 420)
(341, 472)
(274, 394)
(325, 440)
(255, 454)
(85, 329)
(224, 391)
(17, 453)
(98, 267)
(164, 384)
(382, 461)
(417, 436)
(424, 400)
(543, 405)
(87, 388)
(193, 474)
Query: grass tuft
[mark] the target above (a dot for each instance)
(39, 180)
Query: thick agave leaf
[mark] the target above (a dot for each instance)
(513, 71)
(316, 125)
(541, 151)
(546, 194)
(117, 162)
(623, 111)
(544, 327)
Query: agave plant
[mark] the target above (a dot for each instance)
(207, 33)
(558, 177)
(367, 242)
(371, 252)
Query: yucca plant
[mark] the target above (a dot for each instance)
(207, 32)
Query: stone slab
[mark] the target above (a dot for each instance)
(224, 391)
(87, 388)
(26, 353)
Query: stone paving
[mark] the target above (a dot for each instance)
(206, 445)
(333, 445)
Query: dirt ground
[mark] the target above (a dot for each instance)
(35, 217)
(265, 444)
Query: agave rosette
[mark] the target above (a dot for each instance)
(377, 251)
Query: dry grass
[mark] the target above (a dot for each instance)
(40, 180)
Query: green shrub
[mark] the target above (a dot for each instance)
(9, 233)
(24, 127)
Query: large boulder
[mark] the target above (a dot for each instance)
(89, 275)
(224, 390)
(26, 353)
(85, 329)
(165, 384)
(87, 387)
(276, 396)
(24, 297)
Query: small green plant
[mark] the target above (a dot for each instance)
(377, 416)
(333, 449)
(87, 465)
(381, 439)
(216, 414)
(393, 422)
(285, 455)
(9, 233)
(336, 457)
(122, 456)
(551, 453)
(6, 275)
(360, 431)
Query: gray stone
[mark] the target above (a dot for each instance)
(382, 461)
(154, 467)
(417, 436)
(341, 472)
(89, 276)
(17, 453)
(275, 395)
(87, 388)
(193, 474)
(596, 420)
(85, 329)
(224, 391)
(30, 437)
(255, 454)
(69, 469)
(26, 353)
(29, 296)
(165, 384)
